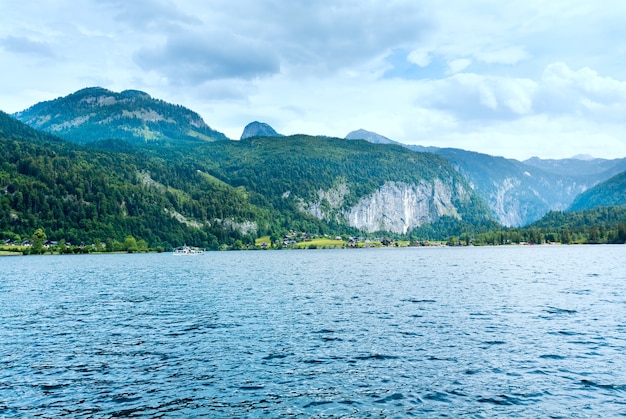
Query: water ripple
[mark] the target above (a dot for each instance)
(475, 332)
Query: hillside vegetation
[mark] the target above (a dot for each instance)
(334, 174)
(609, 193)
(206, 194)
(95, 113)
(518, 193)
(131, 171)
(80, 194)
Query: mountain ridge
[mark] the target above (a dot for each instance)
(258, 129)
(372, 137)
(96, 113)
(220, 193)
(577, 167)
(517, 193)
(609, 193)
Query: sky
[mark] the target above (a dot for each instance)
(507, 78)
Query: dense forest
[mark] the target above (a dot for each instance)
(599, 225)
(120, 195)
(609, 193)
(94, 113)
(209, 194)
(88, 194)
(303, 165)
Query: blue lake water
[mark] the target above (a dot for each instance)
(418, 332)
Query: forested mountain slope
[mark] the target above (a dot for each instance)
(95, 113)
(88, 194)
(517, 193)
(215, 193)
(366, 186)
(609, 193)
(602, 169)
(593, 226)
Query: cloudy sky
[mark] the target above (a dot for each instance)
(512, 78)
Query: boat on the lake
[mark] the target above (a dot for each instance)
(188, 251)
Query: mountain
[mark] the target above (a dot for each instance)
(598, 225)
(596, 169)
(95, 113)
(606, 194)
(518, 193)
(372, 137)
(224, 190)
(217, 193)
(354, 184)
(85, 194)
(259, 129)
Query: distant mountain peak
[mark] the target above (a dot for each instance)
(105, 97)
(259, 129)
(95, 113)
(94, 90)
(135, 93)
(585, 157)
(372, 137)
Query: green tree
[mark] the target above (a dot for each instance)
(142, 245)
(130, 244)
(621, 233)
(274, 240)
(60, 247)
(38, 241)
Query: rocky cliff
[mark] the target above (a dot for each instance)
(259, 129)
(400, 207)
(516, 193)
(396, 206)
(372, 137)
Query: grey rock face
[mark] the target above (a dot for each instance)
(396, 206)
(259, 129)
(372, 137)
(399, 207)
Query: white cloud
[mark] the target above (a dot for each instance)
(475, 96)
(586, 82)
(420, 57)
(458, 65)
(190, 59)
(583, 92)
(490, 76)
(24, 45)
(507, 55)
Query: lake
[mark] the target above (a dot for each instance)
(523, 331)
